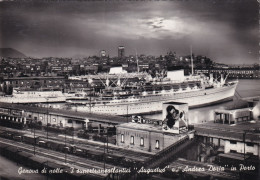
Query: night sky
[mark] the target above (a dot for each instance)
(224, 30)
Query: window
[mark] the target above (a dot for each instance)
(142, 141)
(40, 117)
(132, 140)
(250, 144)
(233, 151)
(54, 119)
(233, 142)
(122, 138)
(157, 144)
(70, 121)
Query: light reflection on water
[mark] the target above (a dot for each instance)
(245, 88)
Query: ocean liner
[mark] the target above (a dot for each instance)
(33, 96)
(148, 97)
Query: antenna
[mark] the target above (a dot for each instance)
(137, 61)
(191, 60)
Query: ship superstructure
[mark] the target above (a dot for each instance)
(147, 96)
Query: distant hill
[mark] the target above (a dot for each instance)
(10, 52)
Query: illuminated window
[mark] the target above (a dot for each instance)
(142, 141)
(157, 144)
(122, 138)
(132, 140)
(54, 119)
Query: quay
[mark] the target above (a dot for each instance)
(57, 117)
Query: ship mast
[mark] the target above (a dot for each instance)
(191, 60)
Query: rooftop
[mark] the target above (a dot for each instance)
(63, 112)
(232, 111)
(140, 126)
(35, 78)
(234, 131)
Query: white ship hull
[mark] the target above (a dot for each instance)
(153, 103)
(34, 97)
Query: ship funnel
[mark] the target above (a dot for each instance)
(222, 81)
(211, 78)
(118, 82)
(90, 81)
(107, 82)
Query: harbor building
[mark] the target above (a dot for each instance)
(233, 131)
(56, 117)
(155, 135)
(36, 82)
(102, 53)
(145, 137)
(121, 52)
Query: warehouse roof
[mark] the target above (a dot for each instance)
(234, 131)
(69, 113)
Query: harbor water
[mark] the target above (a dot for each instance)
(245, 88)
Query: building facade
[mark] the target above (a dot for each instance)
(36, 82)
(46, 116)
(232, 130)
(145, 137)
(121, 52)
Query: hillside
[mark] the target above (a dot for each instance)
(10, 52)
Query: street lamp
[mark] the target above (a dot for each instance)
(65, 147)
(104, 156)
(127, 112)
(47, 168)
(72, 133)
(47, 117)
(34, 138)
(105, 149)
(244, 139)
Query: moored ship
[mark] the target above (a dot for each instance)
(148, 97)
(33, 96)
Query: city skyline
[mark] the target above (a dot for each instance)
(224, 32)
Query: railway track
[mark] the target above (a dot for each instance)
(70, 159)
(85, 144)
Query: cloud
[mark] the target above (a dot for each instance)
(51, 29)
